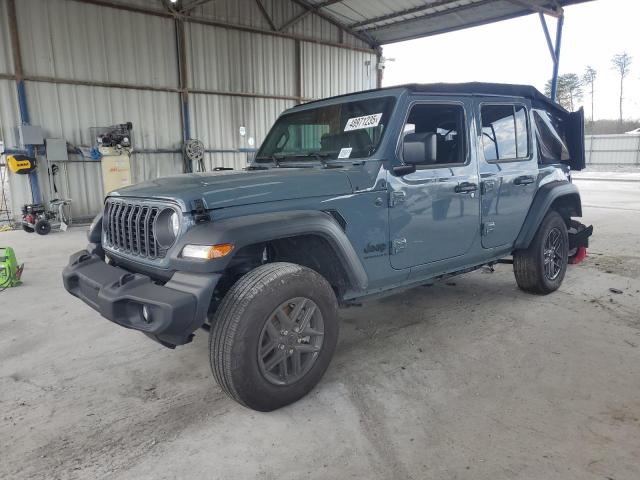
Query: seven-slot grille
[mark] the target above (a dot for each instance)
(128, 227)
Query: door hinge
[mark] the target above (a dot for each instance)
(487, 228)
(396, 197)
(200, 211)
(398, 245)
(487, 186)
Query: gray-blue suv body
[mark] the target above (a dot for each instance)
(348, 197)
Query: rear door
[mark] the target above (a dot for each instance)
(508, 168)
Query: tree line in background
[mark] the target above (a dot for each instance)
(570, 92)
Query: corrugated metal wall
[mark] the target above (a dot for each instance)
(612, 149)
(71, 40)
(330, 71)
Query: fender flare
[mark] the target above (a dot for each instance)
(263, 227)
(544, 198)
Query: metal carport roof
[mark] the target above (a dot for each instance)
(388, 21)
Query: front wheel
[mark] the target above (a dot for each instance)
(541, 267)
(273, 335)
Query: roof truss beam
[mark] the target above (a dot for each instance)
(119, 5)
(309, 10)
(295, 19)
(266, 15)
(317, 10)
(534, 7)
(193, 4)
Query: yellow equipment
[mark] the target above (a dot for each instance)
(21, 164)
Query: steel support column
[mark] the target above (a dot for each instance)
(554, 51)
(379, 71)
(21, 92)
(554, 80)
(181, 41)
(298, 71)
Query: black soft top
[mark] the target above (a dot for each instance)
(538, 100)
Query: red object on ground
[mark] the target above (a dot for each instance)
(580, 255)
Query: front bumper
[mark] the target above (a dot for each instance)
(175, 309)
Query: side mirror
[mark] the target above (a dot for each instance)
(419, 149)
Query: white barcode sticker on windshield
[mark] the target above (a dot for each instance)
(345, 152)
(367, 121)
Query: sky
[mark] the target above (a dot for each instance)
(515, 51)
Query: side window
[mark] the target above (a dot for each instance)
(447, 122)
(504, 132)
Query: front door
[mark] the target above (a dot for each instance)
(434, 212)
(508, 169)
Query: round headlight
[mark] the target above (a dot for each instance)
(167, 227)
(175, 223)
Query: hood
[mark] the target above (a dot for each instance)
(232, 188)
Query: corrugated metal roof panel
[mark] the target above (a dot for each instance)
(353, 11)
(388, 21)
(246, 12)
(314, 26)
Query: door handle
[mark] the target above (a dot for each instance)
(524, 180)
(465, 187)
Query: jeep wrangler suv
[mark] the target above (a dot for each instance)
(348, 197)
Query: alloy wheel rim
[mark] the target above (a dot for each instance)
(290, 341)
(554, 253)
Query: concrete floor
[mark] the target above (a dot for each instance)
(468, 380)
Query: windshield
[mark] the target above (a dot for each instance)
(339, 131)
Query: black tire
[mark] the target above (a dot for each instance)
(239, 326)
(43, 227)
(529, 264)
(27, 228)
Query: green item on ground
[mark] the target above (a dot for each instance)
(10, 271)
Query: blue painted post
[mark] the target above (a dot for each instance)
(556, 63)
(25, 119)
(22, 95)
(181, 44)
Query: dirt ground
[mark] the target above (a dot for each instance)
(469, 379)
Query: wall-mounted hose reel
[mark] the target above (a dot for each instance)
(194, 151)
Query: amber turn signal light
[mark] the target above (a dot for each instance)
(207, 252)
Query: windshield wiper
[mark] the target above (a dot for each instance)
(320, 156)
(273, 157)
(278, 160)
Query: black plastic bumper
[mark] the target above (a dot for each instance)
(174, 310)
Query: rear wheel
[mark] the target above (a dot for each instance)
(273, 335)
(541, 267)
(27, 228)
